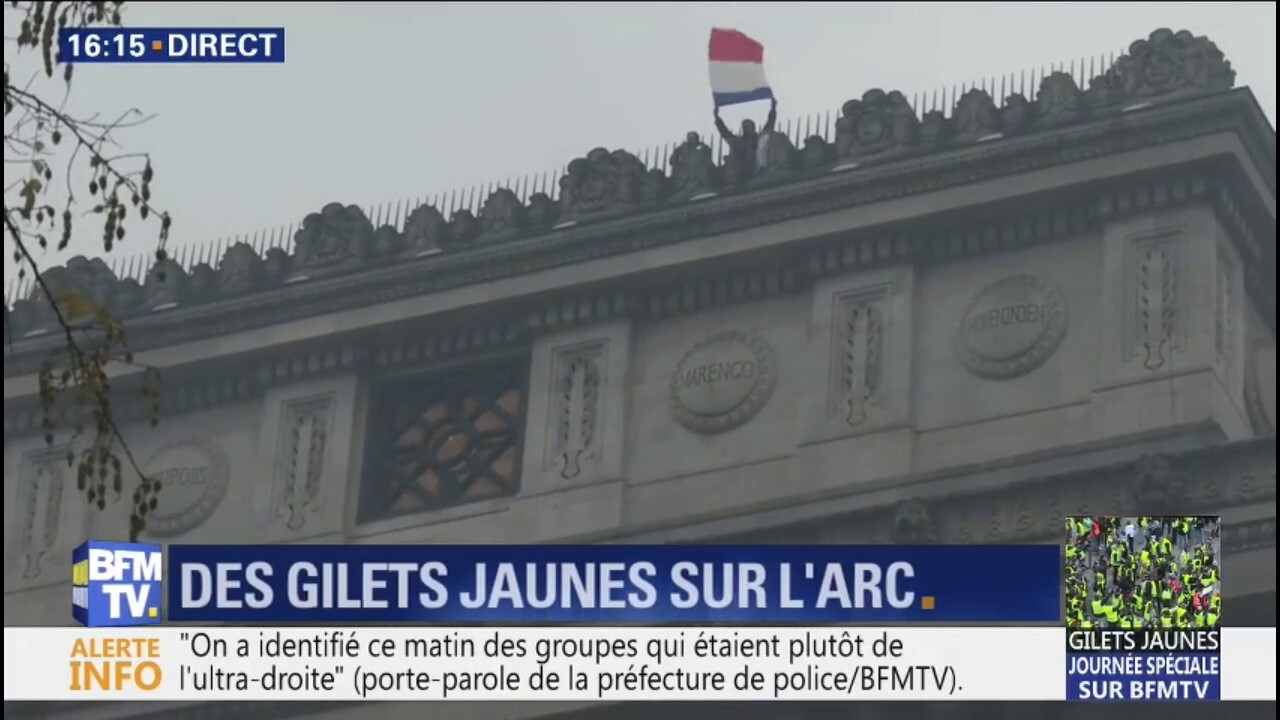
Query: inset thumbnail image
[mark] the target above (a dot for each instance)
(1143, 572)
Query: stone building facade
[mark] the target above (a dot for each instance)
(954, 328)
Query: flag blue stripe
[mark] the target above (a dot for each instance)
(737, 98)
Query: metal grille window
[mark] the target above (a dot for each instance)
(444, 440)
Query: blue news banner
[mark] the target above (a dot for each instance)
(612, 584)
(171, 45)
(1148, 665)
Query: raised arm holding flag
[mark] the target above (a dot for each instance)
(737, 76)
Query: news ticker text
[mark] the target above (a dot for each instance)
(617, 663)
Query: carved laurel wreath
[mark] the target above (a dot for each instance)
(181, 520)
(766, 378)
(1055, 328)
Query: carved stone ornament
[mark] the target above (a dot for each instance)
(167, 284)
(1011, 327)
(240, 271)
(1260, 388)
(878, 125)
(913, 524)
(975, 116)
(193, 479)
(1158, 487)
(601, 183)
(1168, 62)
(330, 237)
(42, 484)
(1058, 101)
(722, 382)
(1016, 114)
(88, 279)
(426, 230)
(502, 218)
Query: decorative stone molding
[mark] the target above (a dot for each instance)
(722, 382)
(1059, 101)
(858, 354)
(508, 326)
(879, 126)
(1011, 327)
(577, 384)
(1260, 387)
(608, 184)
(1158, 486)
(1163, 124)
(305, 430)
(913, 524)
(1224, 476)
(861, 334)
(503, 217)
(576, 406)
(333, 237)
(603, 183)
(36, 517)
(1223, 311)
(305, 450)
(976, 117)
(1153, 305)
(1169, 62)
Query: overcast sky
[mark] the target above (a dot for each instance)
(378, 102)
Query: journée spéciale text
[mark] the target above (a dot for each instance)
(507, 585)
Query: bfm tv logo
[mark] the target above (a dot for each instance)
(116, 584)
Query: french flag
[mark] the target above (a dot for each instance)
(737, 68)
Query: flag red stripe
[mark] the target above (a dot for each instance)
(733, 46)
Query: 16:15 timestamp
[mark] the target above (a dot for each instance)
(92, 46)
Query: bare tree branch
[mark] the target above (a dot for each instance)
(93, 340)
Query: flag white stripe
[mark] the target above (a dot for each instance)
(736, 77)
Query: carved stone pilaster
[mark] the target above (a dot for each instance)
(307, 452)
(858, 357)
(1154, 303)
(45, 516)
(305, 432)
(861, 327)
(576, 407)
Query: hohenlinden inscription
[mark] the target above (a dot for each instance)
(1011, 327)
(722, 382)
(193, 480)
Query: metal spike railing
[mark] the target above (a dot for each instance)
(1024, 82)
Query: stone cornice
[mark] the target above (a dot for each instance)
(811, 192)
(509, 327)
(1204, 480)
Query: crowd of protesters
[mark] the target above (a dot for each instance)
(1143, 572)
